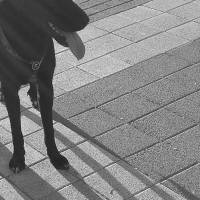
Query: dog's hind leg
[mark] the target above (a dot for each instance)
(46, 104)
(10, 90)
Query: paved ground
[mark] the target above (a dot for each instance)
(126, 116)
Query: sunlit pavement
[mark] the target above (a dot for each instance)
(126, 116)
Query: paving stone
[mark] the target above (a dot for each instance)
(117, 84)
(58, 92)
(104, 66)
(162, 42)
(72, 79)
(87, 158)
(188, 31)
(97, 48)
(162, 124)
(133, 54)
(5, 136)
(61, 64)
(32, 156)
(3, 111)
(187, 107)
(95, 122)
(28, 126)
(64, 137)
(58, 48)
(129, 107)
(140, 13)
(90, 32)
(186, 183)
(118, 181)
(77, 191)
(41, 179)
(173, 87)
(188, 11)
(96, 15)
(168, 157)
(4, 161)
(158, 192)
(166, 5)
(189, 52)
(10, 192)
(136, 32)
(113, 22)
(164, 22)
(126, 140)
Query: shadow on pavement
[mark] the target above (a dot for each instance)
(43, 187)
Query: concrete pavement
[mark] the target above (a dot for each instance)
(126, 116)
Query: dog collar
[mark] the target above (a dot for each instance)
(34, 64)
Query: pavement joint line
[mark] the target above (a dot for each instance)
(169, 9)
(99, 11)
(161, 141)
(164, 179)
(95, 5)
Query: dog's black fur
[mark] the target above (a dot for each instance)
(25, 24)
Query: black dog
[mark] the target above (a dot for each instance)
(26, 37)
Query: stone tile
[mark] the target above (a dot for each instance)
(42, 179)
(72, 136)
(87, 158)
(90, 32)
(32, 156)
(186, 183)
(162, 42)
(189, 52)
(77, 191)
(5, 136)
(58, 92)
(117, 84)
(97, 48)
(126, 140)
(164, 22)
(158, 192)
(168, 157)
(162, 124)
(133, 54)
(104, 66)
(190, 31)
(187, 107)
(113, 22)
(140, 13)
(72, 79)
(5, 157)
(58, 48)
(10, 192)
(166, 5)
(95, 122)
(118, 181)
(3, 111)
(129, 107)
(28, 126)
(61, 64)
(136, 32)
(188, 11)
(172, 87)
(64, 137)
(24, 98)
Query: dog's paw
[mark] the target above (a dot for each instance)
(17, 164)
(59, 162)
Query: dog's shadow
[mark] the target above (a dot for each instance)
(84, 178)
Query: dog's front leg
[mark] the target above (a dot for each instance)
(17, 162)
(46, 104)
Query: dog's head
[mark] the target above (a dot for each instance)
(53, 15)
